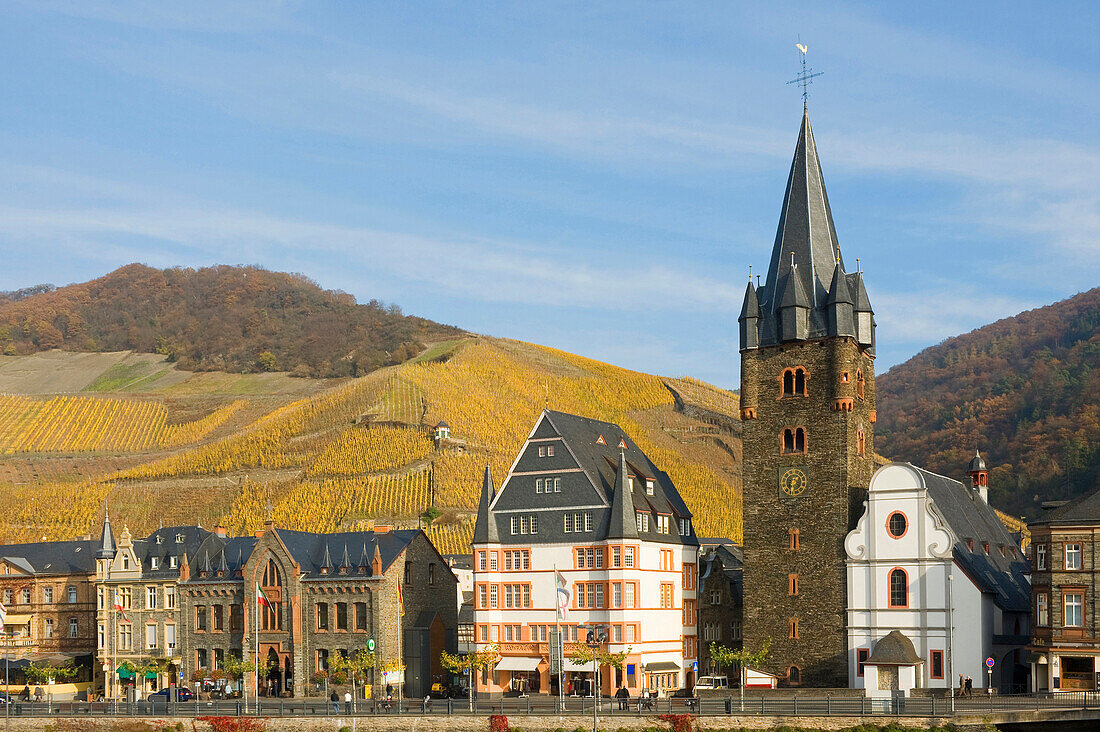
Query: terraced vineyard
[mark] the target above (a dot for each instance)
(358, 452)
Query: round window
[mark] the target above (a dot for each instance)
(897, 525)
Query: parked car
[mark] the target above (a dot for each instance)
(182, 694)
(710, 683)
(4, 698)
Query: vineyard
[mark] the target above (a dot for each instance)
(97, 424)
(357, 452)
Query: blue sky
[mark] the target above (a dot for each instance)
(593, 176)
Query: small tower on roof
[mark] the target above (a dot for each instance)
(979, 476)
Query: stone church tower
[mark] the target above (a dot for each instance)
(807, 411)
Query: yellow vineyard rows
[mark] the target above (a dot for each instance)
(361, 450)
(97, 424)
(451, 538)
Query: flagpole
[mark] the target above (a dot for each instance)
(256, 673)
(560, 650)
(400, 632)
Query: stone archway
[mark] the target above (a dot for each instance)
(273, 682)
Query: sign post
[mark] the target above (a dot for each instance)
(989, 671)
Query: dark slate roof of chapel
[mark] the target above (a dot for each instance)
(974, 520)
(145, 549)
(895, 649)
(309, 549)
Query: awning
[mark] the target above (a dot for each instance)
(517, 663)
(571, 666)
(657, 666)
(124, 673)
(17, 619)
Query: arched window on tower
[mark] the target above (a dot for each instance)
(899, 588)
(794, 675)
(860, 383)
(861, 443)
(794, 381)
(794, 440)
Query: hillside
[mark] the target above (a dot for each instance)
(233, 319)
(1024, 390)
(161, 445)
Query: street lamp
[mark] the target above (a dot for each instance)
(596, 636)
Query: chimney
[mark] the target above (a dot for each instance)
(220, 531)
(979, 476)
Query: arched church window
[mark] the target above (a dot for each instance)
(794, 440)
(270, 604)
(861, 443)
(794, 381)
(899, 588)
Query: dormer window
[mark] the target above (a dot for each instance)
(160, 539)
(642, 518)
(179, 538)
(125, 562)
(154, 562)
(649, 487)
(173, 562)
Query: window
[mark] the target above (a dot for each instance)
(685, 527)
(715, 597)
(862, 654)
(792, 534)
(26, 595)
(125, 636)
(860, 383)
(321, 611)
(587, 522)
(126, 594)
(1042, 609)
(219, 658)
(628, 556)
(7, 597)
(1074, 605)
(1073, 556)
(792, 584)
(481, 561)
(648, 487)
(844, 379)
(628, 594)
(150, 636)
(538, 485)
(557, 485)
(125, 561)
(154, 562)
(937, 664)
(219, 617)
(170, 636)
(342, 615)
(200, 617)
(549, 451)
(515, 528)
(201, 658)
(74, 627)
(792, 628)
(568, 523)
(534, 523)
(662, 524)
(617, 594)
(794, 381)
(492, 595)
(735, 629)
(492, 561)
(151, 598)
(49, 627)
(642, 518)
(542, 450)
(322, 659)
(236, 617)
(897, 524)
(599, 558)
(667, 596)
(794, 440)
(861, 443)
(169, 598)
(899, 588)
(408, 566)
(360, 616)
(616, 556)
(179, 538)
(173, 562)
(47, 594)
(1040, 556)
(431, 574)
(483, 596)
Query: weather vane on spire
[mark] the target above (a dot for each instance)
(805, 78)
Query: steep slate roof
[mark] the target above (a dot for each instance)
(586, 460)
(971, 518)
(485, 528)
(1081, 510)
(53, 557)
(162, 544)
(309, 549)
(805, 230)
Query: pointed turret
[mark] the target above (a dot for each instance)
(345, 561)
(106, 539)
(364, 560)
(326, 562)
(750, 319)
(376, 562)
(794, 306)
(623, 524)
(485, 530)
(839, 305)
(223, 566)
(865, 317)
(805, 226)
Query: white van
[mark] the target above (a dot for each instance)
(710, 683)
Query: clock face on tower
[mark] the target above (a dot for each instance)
(793, 482)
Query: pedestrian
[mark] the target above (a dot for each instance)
(427, 702)
(624, 698)
(962, 685)
(969, 686)
(25, 695)
(335, 702)
(347, 702)
(37, 694)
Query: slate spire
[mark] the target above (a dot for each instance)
(326, 561)
(345, 561)
(106, 539)
(623, 524)
(805, 227)
(485, 530)
(839, 305)
(749, 320)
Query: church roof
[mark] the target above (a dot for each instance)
(976, 526)
(1081, 510)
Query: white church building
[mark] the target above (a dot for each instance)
(936, 585)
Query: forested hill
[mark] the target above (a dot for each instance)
(1024, 390)
(216, 319)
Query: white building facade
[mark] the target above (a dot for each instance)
(930, 559)
(583, 503)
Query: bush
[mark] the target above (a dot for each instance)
(679, 722)
(234, 724)
(498, 723)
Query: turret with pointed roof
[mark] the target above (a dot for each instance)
(485, 530)
(106, 539)
(622, 524)
(806, 262)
